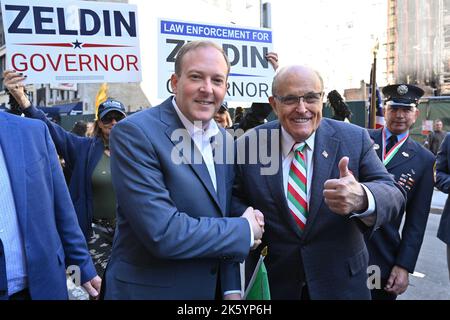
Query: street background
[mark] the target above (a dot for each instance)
(431, 279)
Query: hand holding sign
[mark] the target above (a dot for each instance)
(13, 81)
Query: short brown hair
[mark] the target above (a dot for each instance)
(193, 45)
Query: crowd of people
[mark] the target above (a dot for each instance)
(153, 209)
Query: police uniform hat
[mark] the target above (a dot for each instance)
(402, 95)
(110, 105)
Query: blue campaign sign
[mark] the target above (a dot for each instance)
(215, 32)
(251, 74)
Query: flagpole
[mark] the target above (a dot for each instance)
(373, 95)
(373, 82)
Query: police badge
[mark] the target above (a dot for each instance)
(402, 90)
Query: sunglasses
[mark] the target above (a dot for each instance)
(109, 117)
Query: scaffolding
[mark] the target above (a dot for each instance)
(418, 45)
(444, 64)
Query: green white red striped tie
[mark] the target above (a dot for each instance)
(296, 195)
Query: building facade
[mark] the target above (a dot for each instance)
(418, 44)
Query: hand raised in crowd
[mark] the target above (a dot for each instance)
(93, 287)
(345, 195)
(13, 81)
(272, 57)
(256, 219)
(398, 281)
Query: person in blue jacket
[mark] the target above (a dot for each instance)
(87, 159)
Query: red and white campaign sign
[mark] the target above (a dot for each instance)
(54, 41)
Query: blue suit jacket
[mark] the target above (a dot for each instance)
(330, 256)
(82, 155)
(443, 184)
(412, 167)
(171, 240)
(47, 220)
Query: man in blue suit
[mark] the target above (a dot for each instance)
(39, 233)
(322, 189)
(412, 167)
(174, 239)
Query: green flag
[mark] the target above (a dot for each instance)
(258, 287)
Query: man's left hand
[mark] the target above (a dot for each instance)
(345, 195)
(398, 281)
(93, 287)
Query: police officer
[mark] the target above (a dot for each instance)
(412, 167)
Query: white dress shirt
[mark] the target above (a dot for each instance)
(202, 138)
(10, 234)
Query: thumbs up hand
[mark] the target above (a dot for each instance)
(343, 167)
(345, 195)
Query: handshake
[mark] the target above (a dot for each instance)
(256, 220)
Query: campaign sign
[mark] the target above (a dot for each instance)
(53, 41)
(251, 74)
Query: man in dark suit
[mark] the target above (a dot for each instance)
(443, 184)
(322, 188)
(174, 239)
(39, 233)
(412, 167)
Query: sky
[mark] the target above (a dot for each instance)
(335, 37)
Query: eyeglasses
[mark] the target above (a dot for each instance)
(109, 117)
(308, 98)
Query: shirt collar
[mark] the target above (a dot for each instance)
(209, 130)
(399, 136)
(287, 142)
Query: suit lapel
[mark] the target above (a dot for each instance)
(186, 147)
(12, 147)
(377, 136)
(220, 169)
(324, 160)
(275, 181)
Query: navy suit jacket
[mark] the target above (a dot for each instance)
(330, 256)
(412, 168)
(443, 184)
(47, 220)
(171, 241)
